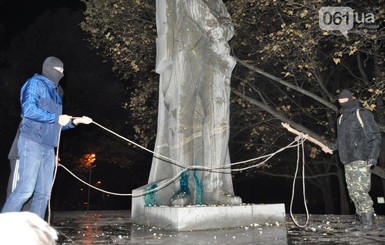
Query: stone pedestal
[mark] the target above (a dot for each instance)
(192, 218)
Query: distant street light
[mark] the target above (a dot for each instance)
(88, 162)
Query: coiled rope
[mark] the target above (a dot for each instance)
(301, 140)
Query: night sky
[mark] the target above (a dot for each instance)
(17, 15)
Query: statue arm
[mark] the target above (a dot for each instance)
(225, 20)
(216, 25)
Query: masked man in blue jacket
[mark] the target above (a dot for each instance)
(42, 119)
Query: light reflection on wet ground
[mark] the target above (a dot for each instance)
(335, 229)
(114, 227)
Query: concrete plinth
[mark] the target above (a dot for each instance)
(191, 218)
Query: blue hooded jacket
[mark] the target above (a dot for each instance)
(41, 106)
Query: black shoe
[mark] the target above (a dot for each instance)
(367, 221)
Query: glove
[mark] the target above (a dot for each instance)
(64, 119)
(83, 119)
(372, 162)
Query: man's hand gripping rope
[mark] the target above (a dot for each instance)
(65, 119)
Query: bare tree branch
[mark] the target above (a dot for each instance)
(280, 116)
(287, 84)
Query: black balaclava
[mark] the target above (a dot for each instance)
(346, 94)
(348, 105)
(50, 72)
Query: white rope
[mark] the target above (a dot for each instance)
(132, 195)
(185, 169)
(303, 185)
(224, 166)
(221, 169)
(167, 159)
(296, 143)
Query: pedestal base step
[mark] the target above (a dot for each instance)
(210, 217)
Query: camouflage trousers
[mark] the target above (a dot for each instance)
(358, 181)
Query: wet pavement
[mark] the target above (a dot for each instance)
(115, 227)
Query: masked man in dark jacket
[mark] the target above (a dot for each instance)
(358, 144)
(42, 119)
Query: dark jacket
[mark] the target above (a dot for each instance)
(41, 106)
(355, 141)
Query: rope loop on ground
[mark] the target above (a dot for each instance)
(301, 140)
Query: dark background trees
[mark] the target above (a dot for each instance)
(90, 88)
(288, 70)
